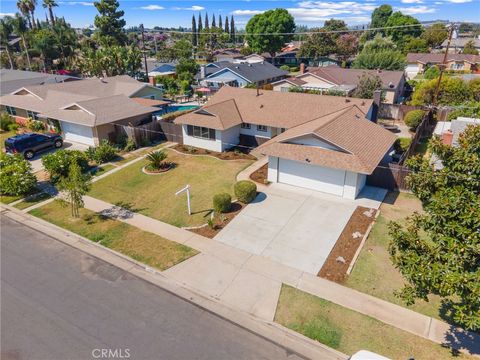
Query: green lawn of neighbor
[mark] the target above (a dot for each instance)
(7, 199)
(349, 331)
(140, 245)
(154, 195)
(374, 272)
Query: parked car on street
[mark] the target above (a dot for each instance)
(32, 143)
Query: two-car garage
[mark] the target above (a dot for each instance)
(328, 180)
(77, 133)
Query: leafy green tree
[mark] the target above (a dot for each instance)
(200, 26)
(44, 42)
(401, 35)
(380, 53)
(6, 29)
(468, 109)
(270, 22)
(232, 30)
(220, 23)
(50, 4)
(323, 43)
(415, 45)
(20, 27)
(474, 88)
(432, 72)
(110, 61)
(66, 40)
(379, 18)
(22, 6)
(207, 25)
(367, 85)
(227, 28)
(346, 46)
(110, 23)
(453, 91)
(212, 39)
(469, 48)
(194, 31)
(16, 176)
(437, 252)
(74, 186)
(435, 35)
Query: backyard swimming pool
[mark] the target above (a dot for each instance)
(173, 108)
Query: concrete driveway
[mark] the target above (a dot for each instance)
(37, 160)
(296, 227)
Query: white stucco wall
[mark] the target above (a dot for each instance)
(272, 175)
(230, 137)
(254, 132)
(213, 145)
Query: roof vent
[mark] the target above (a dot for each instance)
(307, 160)
(379, 71)
(363, 103)
(237, 67)
(390, 85)
(347, 100)
(261, 106)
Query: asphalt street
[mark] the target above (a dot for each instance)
(59, 303)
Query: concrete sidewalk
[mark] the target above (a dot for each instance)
(251, 283)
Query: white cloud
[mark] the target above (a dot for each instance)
(6, 14)
(314, 11)
(82, 3)
(152, 7)
(412, 1)
(247, 12)
(191, 8)
(415, 10)
(459, 1)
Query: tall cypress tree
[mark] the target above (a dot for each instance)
(110, 23)
(214, 24)
(227, 28)
(194, 31)
(200, 26)
(232, 29)
(206, 21)
(220, 25)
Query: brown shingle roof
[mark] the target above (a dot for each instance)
(269, 108)
(361, 144)
(438, 58)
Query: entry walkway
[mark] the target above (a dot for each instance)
(252, 283)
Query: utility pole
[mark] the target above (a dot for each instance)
(142, 29)
(443, 65)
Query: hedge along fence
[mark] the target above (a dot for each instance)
(425, 128)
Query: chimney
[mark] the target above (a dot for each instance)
(377, 99)
(151, 80)
(302, 68)
(447, 137)
(202, 72)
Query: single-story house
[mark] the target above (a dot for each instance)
(163, 69)
(11, 80)
(324, 143)
(217, 74)
(86, 111)
(229, 55)
(457, 44)
(334, 78)
(418, 63)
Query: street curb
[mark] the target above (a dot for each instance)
(270, 331)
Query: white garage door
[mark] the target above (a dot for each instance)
(311, 176)
(78, 133)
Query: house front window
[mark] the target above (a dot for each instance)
(32, 114)
(457, 66)
(201, 132)
(262, 128)
(246, 126)
(11, 110)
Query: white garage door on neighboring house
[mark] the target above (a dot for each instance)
(77, 133)
(311, 176)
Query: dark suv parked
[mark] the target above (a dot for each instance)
(31, 143)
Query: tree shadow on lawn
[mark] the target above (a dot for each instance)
(121, 210)
(457, 339)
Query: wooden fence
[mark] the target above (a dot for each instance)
(157, 130)
(425, 129)
(391, 176)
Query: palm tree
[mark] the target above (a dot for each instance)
(24, 10)
(6, 30)
(50, 4)
(20, 28)
(31, 5)
(156, 159)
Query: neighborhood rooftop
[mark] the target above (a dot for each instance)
(232, 106)
(438, 58)
(253, 72)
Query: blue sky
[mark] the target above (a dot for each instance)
(311, 13)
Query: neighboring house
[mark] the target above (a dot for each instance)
(215, 75)
(334, 78)
(457, 45)
(324, 143)
(11, 80)
(449, 131)
(87, 110)
(229, 55)
(163, 69)
(418, 63)
(251, 59)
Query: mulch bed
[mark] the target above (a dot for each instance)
(232, 154)
(207, 231)
(346, 246)
(260, 175)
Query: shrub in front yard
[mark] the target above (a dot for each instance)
(5, 121)
(222, 203)
(245, 191)
(16, 177)
(401, 144)
(103, 153)
(414, 118)
(58, 163)
(156, 159)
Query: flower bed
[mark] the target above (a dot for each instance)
(232, 154)
(219, 222)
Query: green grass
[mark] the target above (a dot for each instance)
(7, 199)
(140, 245)
(4, 135)
(374, 272)
(349, 331)
(32, 200)
(422, 148)
(99, 170)
(154, 195)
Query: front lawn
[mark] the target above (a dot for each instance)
(4, 135)
(32, 200)
(140, 245)
(154, 195)
(374, 272)
(349, 331)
